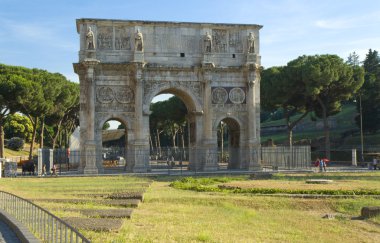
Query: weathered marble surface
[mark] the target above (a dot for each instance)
(213, 68)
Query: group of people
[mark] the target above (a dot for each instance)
(321, 163)
(53, 170)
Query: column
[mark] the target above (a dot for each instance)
(209, 146)
(140, 145)
(89, 116)
(253, 147)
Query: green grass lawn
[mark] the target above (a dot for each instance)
(12, 153)
(174, 215)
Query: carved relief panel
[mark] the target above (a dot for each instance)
(235, 43)
(219, 40)
(228, 95)
(105, 38)
(117, 98)
(122, 39)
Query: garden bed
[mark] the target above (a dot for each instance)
(94, 224)
(107, 213)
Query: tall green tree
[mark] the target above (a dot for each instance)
(18, 125)
(282, 88)
(14, 88)
(167, 118)
(43, 95)
(370, 93)
(353, 59)
(330, 81)
(65, 103)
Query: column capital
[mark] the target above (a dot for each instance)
(90, 62)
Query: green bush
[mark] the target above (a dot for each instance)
(16, 143)
(209, 185)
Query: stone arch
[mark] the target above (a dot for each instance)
(194, 118)
(236, 120)
(102, 118)
(111, 116)
(119, 82)
(234, 140)
(192, 101)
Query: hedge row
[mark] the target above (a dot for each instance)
(199, 186)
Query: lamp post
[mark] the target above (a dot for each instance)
(361, 128)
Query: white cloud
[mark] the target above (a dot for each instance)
(346, 22)
(333, 24)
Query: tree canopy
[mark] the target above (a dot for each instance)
(316, 83)
(38, 94)
(370, 93)
(167, 118)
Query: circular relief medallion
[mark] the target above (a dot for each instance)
(237, 95)
(124, 95)
(105, 94)
(219, 96)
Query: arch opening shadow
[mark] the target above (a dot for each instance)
(228, 139)
(170, 133)
(114, 144)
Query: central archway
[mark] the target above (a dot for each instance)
(180, 152)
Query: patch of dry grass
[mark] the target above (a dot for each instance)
(172, 215)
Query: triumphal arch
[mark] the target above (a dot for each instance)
(213, 68)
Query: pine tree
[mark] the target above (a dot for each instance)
(370, 93)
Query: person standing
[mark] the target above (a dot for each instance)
(44, 170)
(54, 170)
(322, 165)
(374, 163)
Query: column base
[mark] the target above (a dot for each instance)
(140, 170)
(210, 168)
(255, 168)
(90, 171)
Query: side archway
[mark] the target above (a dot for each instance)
(228, 134)
(113, 144)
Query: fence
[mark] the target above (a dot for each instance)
(285, 157)
(119, 159)
(41, 223)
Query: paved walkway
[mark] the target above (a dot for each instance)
(6, 234)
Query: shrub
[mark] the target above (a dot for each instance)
(16, 143)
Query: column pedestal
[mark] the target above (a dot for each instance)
(210, 156)
(90, 156)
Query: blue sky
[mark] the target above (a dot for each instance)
(42, 34)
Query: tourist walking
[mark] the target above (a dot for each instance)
(54, 170)
(322, 165)
(374, 164)
(44, 170)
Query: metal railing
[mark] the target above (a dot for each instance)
(40, 222)
(285, 157)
